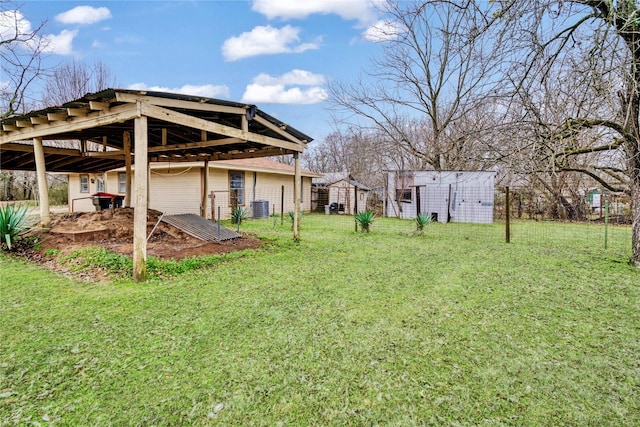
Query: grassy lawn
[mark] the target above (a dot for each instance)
(342, 329)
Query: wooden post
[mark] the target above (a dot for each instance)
(282, 206)
(126, 142)
(355, 199)
(296, 197)
(212, 196)
(205, 189)
(140, 207)
(507, 208)
(43, 188)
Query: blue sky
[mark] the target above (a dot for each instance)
(277, 54)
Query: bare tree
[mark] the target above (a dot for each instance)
(545, 36)
(21, 51)
(438, 65)
(75, 79)
(351, 150)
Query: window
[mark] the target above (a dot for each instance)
(122, 182)
(403, 195)
(100, 184)
(236, 187)
(84, 183)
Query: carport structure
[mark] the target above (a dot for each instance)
(118, 127)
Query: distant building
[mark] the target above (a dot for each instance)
(448, 196)
(338, 192)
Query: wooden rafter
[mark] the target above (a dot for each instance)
(117, 114)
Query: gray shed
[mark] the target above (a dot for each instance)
(456, 196)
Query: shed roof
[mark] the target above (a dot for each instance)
(331, 178)
(180, 128)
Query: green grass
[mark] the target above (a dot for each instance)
(343, 329)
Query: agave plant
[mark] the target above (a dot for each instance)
(365, 219)
(13, 221)
(238, 215)
(422, 220)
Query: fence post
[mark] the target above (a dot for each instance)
(507, 208)
(282, 206)
(606, 224)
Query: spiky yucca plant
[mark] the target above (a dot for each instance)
(238, 215)
(13, 221)
(423, 220)
(365, 219)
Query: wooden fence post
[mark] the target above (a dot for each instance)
(507, 209)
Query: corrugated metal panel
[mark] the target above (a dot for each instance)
(200, 228)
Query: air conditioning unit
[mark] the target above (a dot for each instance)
(260, 208)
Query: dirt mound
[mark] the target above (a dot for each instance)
(113, 230)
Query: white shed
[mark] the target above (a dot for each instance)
(456, 196)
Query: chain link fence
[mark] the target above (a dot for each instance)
(502, 216)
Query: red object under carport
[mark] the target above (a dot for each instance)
(102, 200)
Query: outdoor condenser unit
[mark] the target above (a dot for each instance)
(260, 208)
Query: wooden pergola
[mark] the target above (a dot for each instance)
(118, 127)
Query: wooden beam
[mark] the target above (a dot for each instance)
(22, 160)
(140, 208)
(164, 136)
(177, 103)
(23, 124)
(113, 154)
(126, 142)
(121, 113)
(100, 106)
(46, 150)
(198, 123)
(7, 127)
(201, 144)
(278, 130)
(39, 120)
(61, 116)
(43, 188)
(79, 112)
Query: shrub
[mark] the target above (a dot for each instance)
(13, 222)
(238, 215)
(365, 219)
(423, 220)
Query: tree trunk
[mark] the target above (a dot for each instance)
(634, 165)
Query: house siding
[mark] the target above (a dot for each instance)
(177, 190)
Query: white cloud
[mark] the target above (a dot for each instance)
(269, 89)
(84, 15)
(208, 91)
(383, 31)
(61, 44)
(12, 24)
(264, 40)
(359, 10)
(293, 77)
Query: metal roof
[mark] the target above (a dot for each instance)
(179, 128)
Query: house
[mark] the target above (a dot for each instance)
(456, 196)
(339, 192)
(262, 186)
